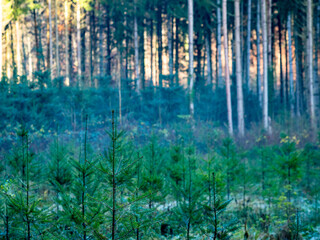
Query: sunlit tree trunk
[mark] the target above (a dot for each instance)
(79, 40)
(30, 59)
(248, 46)
(177, 45)
(282, 92)
(50, 39)
(191, 83)
(66, 16)
(219, 62)
(239, 69)
(57, 39)
(18, 51)
(258, 55)
(265, 65)
(159, 37)
(35, 25)
(297, 47)
(290, 64)
(227, 74)
(169, 24)
(310, 63)
(136, 51)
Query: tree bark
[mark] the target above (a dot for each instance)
(57, 40)
(50, 39)
(227, 74)
(208, 52)
(258, 56)
(136, 51)
(310, 64)
(79, 40)
(239, 69)
(170, 51)
(290, 65)
(66, 14)
(191, 81)
(219, 62)
(18, 52)
(248, 46)
(265, 65)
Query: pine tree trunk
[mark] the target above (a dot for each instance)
(290, 64)
(297, 60)
(227, 74)
(219, 62)
(269, 25)
(66, 15)
(280, 56)
(159, 36)
(258, 55)
(101, 52)
(18, 51)
(248, 46)
(265, 65)
(239, 69)
(310, 64)
(50, 40)
(57, 40)
(79, 40)
(136, 51)
(208, 54)
(169, 24)
(191, 82)
(177, 45)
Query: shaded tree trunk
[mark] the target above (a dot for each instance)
(258, 55)
(290, 65)
(191, 81)
(219, 63)
(227, 74)
(66, 15)
(57, 40)
(248, 46)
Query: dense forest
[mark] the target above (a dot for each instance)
(160, 119)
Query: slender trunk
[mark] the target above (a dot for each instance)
(177, 45)
(170, 51)
(34, 13)
(208, 53)
(79, 40)
(265, 65)
(101, 52)
(109, 43)
(219, 62)
(114, 186)
(191, 82)
(280, 56)
(310, 64)
(18, 48)
(151, 50)
(297, 48)
(248, 46)
(258, 55)
(239, 69)
(136, 51)
(159, 36)
(57, 40)
(227, 74)
(89, 36)
(290, 64)
(66, 15)
(50, 40)
(269, 26)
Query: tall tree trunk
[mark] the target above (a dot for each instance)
(88, 45)
(265, 65)
(208, 53)
(219, 62)
(297, 48)
(239, 69)
(282, 93)
(79, 40)
(35, 25)
(177, 45)
(109, 44)
(191, 81)
(290, 64)
(101, 52)
(66, 15)
(151, 50)
(50, 39)
(248, 46)
(227, 74)
(269, 25)
(18, 48)
(57, 40)
(159, 36)
(170, 51)
(310, 64)
(136, 51)
(258, 55)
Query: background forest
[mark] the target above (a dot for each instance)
(218, 100)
